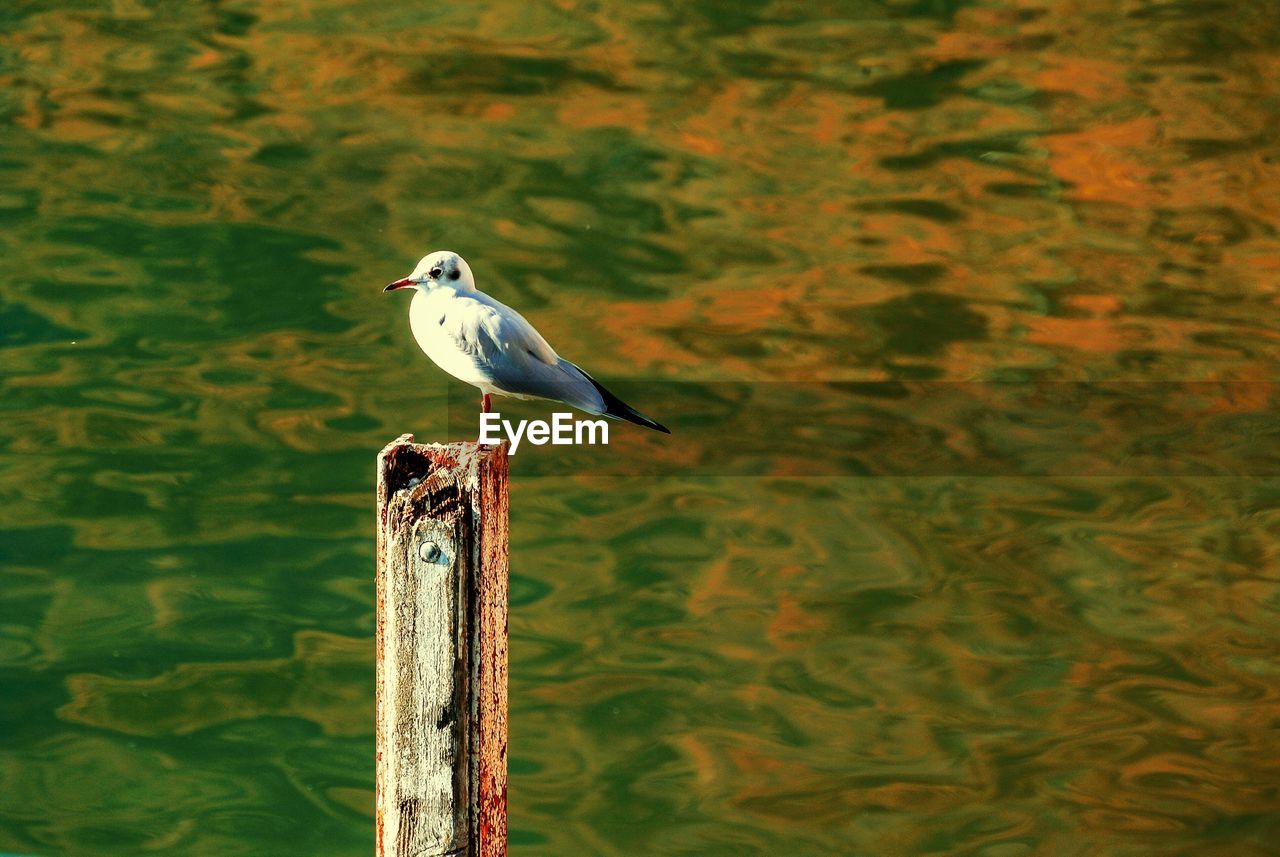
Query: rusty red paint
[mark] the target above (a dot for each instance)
(491, 677)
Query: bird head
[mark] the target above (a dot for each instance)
(441, 268)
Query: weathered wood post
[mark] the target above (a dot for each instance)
(442, 650)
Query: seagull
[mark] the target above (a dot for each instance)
(487, 344)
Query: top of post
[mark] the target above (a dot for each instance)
(404, 464)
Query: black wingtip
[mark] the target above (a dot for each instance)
(633, 416)
(615, 407)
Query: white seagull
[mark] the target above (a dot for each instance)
(491, 346)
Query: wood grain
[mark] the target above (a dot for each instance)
(441, 709)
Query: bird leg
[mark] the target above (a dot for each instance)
(484, 403)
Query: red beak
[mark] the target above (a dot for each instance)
(399, 284)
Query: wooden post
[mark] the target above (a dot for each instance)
(442, 650)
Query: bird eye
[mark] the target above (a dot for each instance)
(454, 274)
(434, 273)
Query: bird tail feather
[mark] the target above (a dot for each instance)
(620, 410)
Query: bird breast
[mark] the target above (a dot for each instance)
(440, 324)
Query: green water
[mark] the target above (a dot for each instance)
(964, 316)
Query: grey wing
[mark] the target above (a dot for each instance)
(519, 362)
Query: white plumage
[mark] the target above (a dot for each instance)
(484, 342)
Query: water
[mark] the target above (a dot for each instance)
(964, 316)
